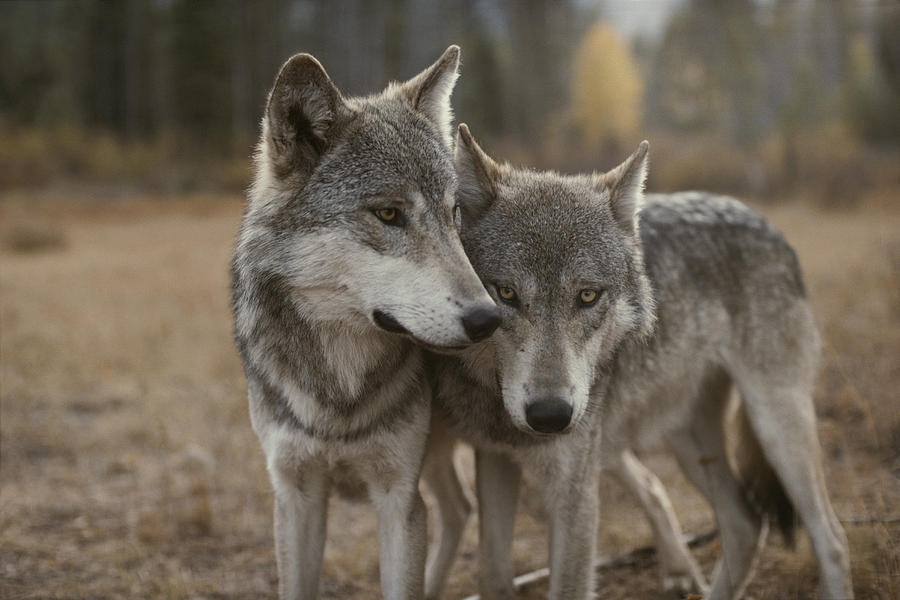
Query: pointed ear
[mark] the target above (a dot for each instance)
(429, 91)
(303, 109)
(625, 184)
(478, 175)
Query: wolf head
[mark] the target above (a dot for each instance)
(353, 206)
(562, 258)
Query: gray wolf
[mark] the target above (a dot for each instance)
(348, 261)
(628, 320)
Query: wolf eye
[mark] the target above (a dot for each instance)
(390, 216)
(507, 294)
(588, 297)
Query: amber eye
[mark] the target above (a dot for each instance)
(588, 297)
(507, 294)
(387, 215)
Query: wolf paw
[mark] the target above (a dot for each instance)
(678, 584)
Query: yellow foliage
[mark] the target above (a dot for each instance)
(606, 88)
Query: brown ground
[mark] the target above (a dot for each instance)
(129, 468)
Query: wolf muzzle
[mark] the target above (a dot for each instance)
(478, 323)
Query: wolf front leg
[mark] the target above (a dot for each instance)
(573, 506)
(301, 510)
(497, 481)
(402, 538)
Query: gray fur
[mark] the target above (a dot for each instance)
(699, 293)
(347, 256)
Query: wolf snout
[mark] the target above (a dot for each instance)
(548, 415)
(480, 322)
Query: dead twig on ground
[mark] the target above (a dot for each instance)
(644, 555)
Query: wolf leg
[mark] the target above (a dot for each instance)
(497, 480)
(574, 507)
(301, 510)
(678, 568)
(741, 530)
(783, 419)
(452, 507)
(701, 452)
(402, 538)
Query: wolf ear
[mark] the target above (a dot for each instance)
(429, 91)
(625, 184)
(478, 175)
(303, 108)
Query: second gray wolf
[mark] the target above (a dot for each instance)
(347, 262)
(629, 320)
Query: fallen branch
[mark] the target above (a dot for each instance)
(870, 520)
(644, 555)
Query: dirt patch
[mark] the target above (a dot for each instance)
(26, 239)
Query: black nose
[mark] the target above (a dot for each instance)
(550, 415)
(481, 322)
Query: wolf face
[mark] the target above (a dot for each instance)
(353, 206)
(562, 258)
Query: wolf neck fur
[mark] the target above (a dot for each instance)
(335, 362)
(351, 353)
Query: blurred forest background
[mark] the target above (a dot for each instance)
(128, 467)
(168, 93)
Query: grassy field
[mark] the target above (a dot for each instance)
(128, 468)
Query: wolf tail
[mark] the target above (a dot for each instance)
(762, 486)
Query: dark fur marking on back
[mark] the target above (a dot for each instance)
(718, 244)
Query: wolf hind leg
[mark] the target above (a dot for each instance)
(301, 511)
(783, 419)
(452, 506)
(701, 451)
(679, 569)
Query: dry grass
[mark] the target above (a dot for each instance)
(128, 467)
(169, 162)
